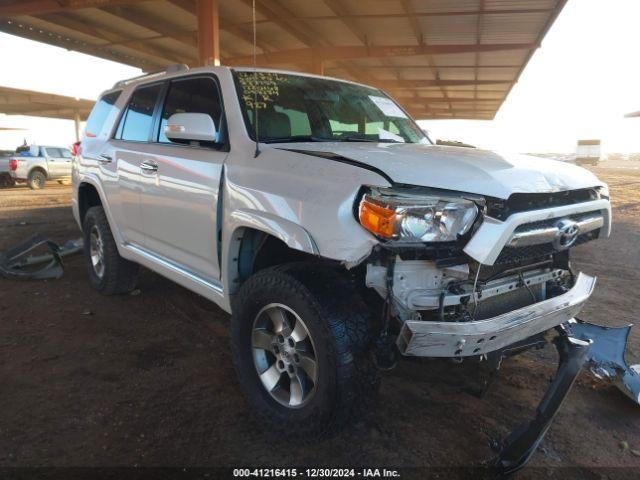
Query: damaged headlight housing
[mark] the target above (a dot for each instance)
(407, 216)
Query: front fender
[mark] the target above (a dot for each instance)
(295, 236)
(91, 179)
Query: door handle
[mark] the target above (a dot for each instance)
(149, 167)
(105, 159)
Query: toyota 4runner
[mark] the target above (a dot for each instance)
(319, 215)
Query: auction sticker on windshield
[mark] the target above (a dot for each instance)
(387, 107)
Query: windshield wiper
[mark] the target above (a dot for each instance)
(297, 138)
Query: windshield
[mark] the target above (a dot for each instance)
(295, 108)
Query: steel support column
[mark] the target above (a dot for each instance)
(76, 121)
(208, 32)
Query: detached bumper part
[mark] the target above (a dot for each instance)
(15, 264)
(606, 356)
(461, 339)
(516, 450)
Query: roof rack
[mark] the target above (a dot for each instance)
(178, 67)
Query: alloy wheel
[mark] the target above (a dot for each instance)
(96, 251)
(284, 355)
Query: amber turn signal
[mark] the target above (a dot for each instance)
(377, 219)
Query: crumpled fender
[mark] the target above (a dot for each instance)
(295, 236)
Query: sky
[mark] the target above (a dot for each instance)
(578, 85)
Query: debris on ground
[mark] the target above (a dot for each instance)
(606, 356)
(16, 264)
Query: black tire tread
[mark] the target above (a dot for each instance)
(121, 275)
(31, 180)
(326, 291)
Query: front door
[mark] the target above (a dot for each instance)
(179, 197)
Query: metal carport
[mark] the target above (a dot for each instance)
(15, 101)
(439, 58)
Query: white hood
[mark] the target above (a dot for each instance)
(461, 169)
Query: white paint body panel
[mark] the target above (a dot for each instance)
(462, 169)
(55, 168)
(168, 221)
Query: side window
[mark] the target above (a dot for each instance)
(136, 121)
(53, 152)
(99, 113)
(191, 95)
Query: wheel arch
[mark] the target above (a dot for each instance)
(260, 240)
(88, 196)
(39, 168)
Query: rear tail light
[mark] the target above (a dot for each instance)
(13, 164)
(75, 149)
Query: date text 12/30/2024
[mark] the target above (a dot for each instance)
(316, 473)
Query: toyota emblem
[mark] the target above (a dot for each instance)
(568, 232)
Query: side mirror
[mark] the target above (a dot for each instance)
(186, 127)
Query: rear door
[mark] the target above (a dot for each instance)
(63, 161)
(55, 162)
(179, 197)
(129, 151)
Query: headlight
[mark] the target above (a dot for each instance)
(603, 192)
(411, 217)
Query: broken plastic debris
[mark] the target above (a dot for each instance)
(14, 263)
(606, 356)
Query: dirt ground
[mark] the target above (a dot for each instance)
(147, 379)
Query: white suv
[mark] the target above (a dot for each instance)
(339, 238)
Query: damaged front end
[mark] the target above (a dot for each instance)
(462, 276)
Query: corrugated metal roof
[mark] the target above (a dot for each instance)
(468, 53)
(15, 101)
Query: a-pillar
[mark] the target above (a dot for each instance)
(208, 32)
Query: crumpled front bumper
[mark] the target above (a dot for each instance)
(462, 339)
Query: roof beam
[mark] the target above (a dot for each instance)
(153, 23)
(40, 35)
(417, 84)
(449, 100)
(416, 14)
(375, 51)
(186, 5)
(419, 66)
(40, 7)
(282, 17)
(238, 30)
(108, 35)
(337, 7)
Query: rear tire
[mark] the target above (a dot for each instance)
(109, 273)
(36, 180)
(319, 304)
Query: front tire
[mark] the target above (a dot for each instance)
(109, 273)
(36, 180)
(301, 341)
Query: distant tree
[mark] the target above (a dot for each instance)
(615, 157)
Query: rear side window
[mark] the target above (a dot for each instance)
(137, 119)
(99, 113)
(53, 152)
(191, 95)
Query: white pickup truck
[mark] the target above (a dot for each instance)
(6, 180)
(37, 164)
(336, 234)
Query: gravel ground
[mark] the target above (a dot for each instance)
(147, 379)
